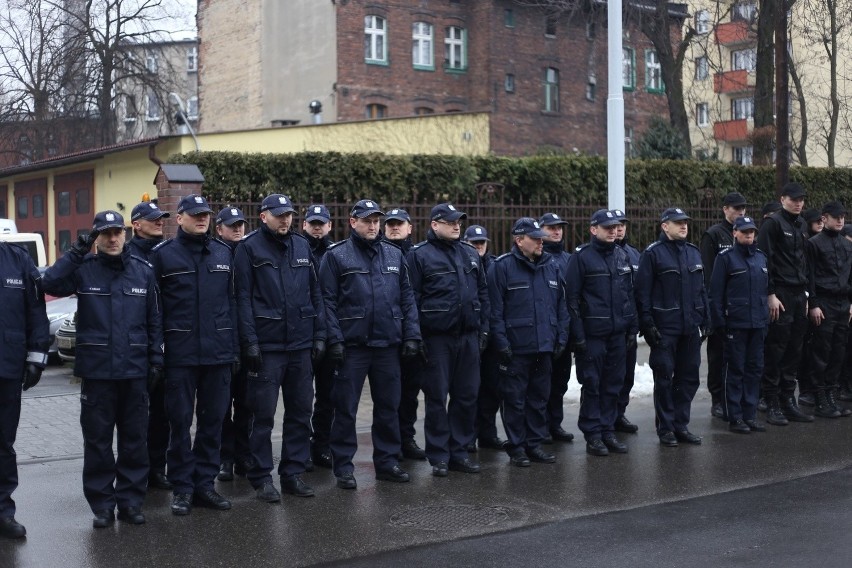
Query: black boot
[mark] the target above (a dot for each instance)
(774, 415)
(793, 413)
(823, 408)
(832, 400)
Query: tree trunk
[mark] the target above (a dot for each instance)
(764, 103)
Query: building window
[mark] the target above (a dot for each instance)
(742, 108)
(422, 52)
(192, 60)
(375, 40)
(702, 22)
(744, 59)
(628, 68)
(653, 72)
(628, 142)
(130, 109)
(151, 63)
(591, 88)
(702, 68)
(63, 203)
(38, 206)
(23, 208)
(509, 18)
(551, 90)
(509, 83)
(702, 114)
(377, 111)
(422, 111)
(743, 156)
(192, 108)
(550, 22)
(744, 11)
(455, 48)
(153, 110)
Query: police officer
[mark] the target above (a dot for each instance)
(830, 289)
(235, 455)
(119, 356)
(199, 328)
(281, 329)
(599, 292)
(807, 389)
(316, 228)
(372, 321)
(489, 397)
(22, 359)
(781, 239)
(740, 314)
(622, 423)
(717, 238)
(672, 305)
(554, 226)
(529, 328)
(398, 231)
(452, 297)
(148, 221)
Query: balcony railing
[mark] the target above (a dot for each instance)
(734, 33)
(731, 130)
(733, 82)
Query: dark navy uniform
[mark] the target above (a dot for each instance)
(670, 296)
(26, 339)
(370, 309)
(280, 306)
(450, 288)
(740, 316)
(632, 348)
(489, 398)
(199, 327)
(716, 239)
(119, 335)
(561, 367)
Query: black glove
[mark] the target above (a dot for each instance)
(424, 355)
(506, 355)
(253, 359)
(337, 353)
(652, 336)
(317, 351)
(84, 244)
(32, 375)
(631, 341)
(410, 349)
(705, 332)
(579, 348)
(483, 342)
(558, 351)
(155, 376)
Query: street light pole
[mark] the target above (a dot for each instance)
(178, 102)
(615, 110)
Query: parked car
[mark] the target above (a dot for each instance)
(58, 310)
(66, 338)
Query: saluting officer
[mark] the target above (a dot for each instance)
(673, 314)
(599, 290)
(119, 356)
(199, 328)
(372, 320)
(622, 424)
(740, 314)
(529, 328)
(717, 238)
(22, 359)
(450, 288)
(281, 330)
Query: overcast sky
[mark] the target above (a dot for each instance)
(184, 24)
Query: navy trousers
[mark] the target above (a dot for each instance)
(10, 415)
(675, 363)
(193, 464)
(108, 406)
(410, 379)
(629, 378)
(323, 405)
(743, 369)
(490, 398)
(237, 422)
(601, 372)
(158, 429)
(289, 372)
(525, 384)
(558, 387)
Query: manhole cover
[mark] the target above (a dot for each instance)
(450, 517)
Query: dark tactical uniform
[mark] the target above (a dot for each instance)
(632, 348)
(561, 373)
(489, 399)
(716, 239)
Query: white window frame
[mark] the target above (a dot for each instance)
(131, 110)
(745, 10)
(375, 40)
(653, 72)
(455, 48)
(743, 155)
(151, 63)
(742, 109)
(702, 22)
(744, 59)
(423, 45)
(628, 68)
(702, 114)
(192, 108)
(152, 105)
(702, 68)
(192, 59)
(551, 89)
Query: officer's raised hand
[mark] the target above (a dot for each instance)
(337, 353)
(652, 336)
(155, 377)
(84, 244)
(410, 349)
(252, 359)
(317, 351)
(32, 375)
(506, 355)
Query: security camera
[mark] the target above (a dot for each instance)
(315, 107)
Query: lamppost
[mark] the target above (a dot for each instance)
(182, 119)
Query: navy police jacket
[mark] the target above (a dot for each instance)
(199, 311)
(449, 286)
(278, 294)
(25, 329)
(738, 289)
(528, 311)
(367, 294)
(142, 247)
(119, 325)
(670, 291)
(599, 291)
(559, 255)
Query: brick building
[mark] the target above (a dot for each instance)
(542, 78)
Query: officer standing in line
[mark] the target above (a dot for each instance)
(599, 292)
(717, 238)
(398, 231)
(199, 328)
(845, 393)
(120, 359)
(781, 239)
(451, 291)
(830, 289)
(672, 305)
(315, 228)
(529, 328)
(489, 397)
(281, 331)
(622, 424)
(148, 221)
(235, 454)
(554, 226)
(21, 361)
(372, 321)
(740, 314)
(807, 389)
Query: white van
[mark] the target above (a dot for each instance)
(8, 226)
(31, 242)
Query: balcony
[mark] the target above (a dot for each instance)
(737, 33)
(731, 130)
(733, 82)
